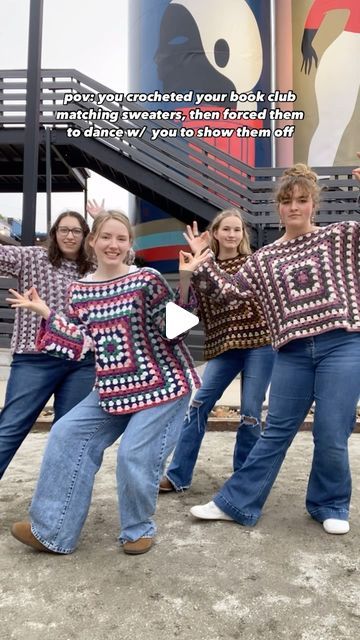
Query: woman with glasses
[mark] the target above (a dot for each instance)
(35, 377)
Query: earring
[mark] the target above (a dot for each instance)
(130, 257)
(280, 224)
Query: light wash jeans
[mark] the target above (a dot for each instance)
(255, 366)
(34, 377)
(324, 369)
(74, 454)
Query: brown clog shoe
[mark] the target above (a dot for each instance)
(22, 532)
(142, 545)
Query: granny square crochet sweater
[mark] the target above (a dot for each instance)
(306, 286)
(137, 367)
(31, 266)
(239, 326)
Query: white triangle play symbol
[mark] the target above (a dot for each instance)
(177, 320)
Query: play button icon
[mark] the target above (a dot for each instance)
(177, 320)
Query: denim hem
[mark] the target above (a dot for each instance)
(246, 519)
(49, 545)
(123, 540)
(177, 489)
(324, 513)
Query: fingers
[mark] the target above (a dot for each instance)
(205, 254)
(92, 206)
(185, 257)
(189, 232)
(192, 231)
(17, 301)
(23, 299)
(18, 297)
(187, 238)
(206, 236)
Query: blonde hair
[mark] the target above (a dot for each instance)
(244, 246)
(99, 222)
(299, 175)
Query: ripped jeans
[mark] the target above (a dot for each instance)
(255, 365)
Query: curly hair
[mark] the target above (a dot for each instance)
(56, 256)
(299, 175)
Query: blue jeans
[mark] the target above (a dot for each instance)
(74, 454)
(255, 366)
(33, 379)
(324, 369)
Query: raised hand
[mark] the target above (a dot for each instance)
(29, 300)
(189, 262)
(196, 241)
(308, 52)
(93, 208)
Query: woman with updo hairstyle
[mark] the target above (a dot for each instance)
(308, 285)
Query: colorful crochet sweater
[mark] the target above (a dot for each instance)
(32, 267)
(137, 367)
(306, 286)
(239, 326)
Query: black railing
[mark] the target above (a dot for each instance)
(193, 165)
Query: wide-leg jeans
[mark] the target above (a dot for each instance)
(324, 369)
(74, 454)
(255, 366)
(34, 378)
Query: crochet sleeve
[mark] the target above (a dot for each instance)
(221, 286)
(159, 294)
(11, 260)
(64, 337)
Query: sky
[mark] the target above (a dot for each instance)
(88, 35)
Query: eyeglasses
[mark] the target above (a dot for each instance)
(64, 231)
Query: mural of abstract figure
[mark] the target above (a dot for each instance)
(204, 50)
(208, 50)
(202, 46)
(337, 79)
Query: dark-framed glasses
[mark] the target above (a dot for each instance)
(64, 231)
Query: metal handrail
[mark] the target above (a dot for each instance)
(196, 166)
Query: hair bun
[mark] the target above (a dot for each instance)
(302, 170)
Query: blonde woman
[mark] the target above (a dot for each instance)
(142, 390)
(237, 340)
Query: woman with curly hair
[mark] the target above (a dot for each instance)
(308, 285)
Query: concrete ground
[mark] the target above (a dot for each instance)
(283, 579)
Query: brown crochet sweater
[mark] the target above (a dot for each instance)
(239, 325)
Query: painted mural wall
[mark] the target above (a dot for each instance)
(313, 52)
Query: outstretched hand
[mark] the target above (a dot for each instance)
(31, 300)
(93, 208)
(196, 241)
(189, 262)
(308, 52)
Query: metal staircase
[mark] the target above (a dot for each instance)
(188, 178)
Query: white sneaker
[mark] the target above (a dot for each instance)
(335, 526)
(209, 511)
